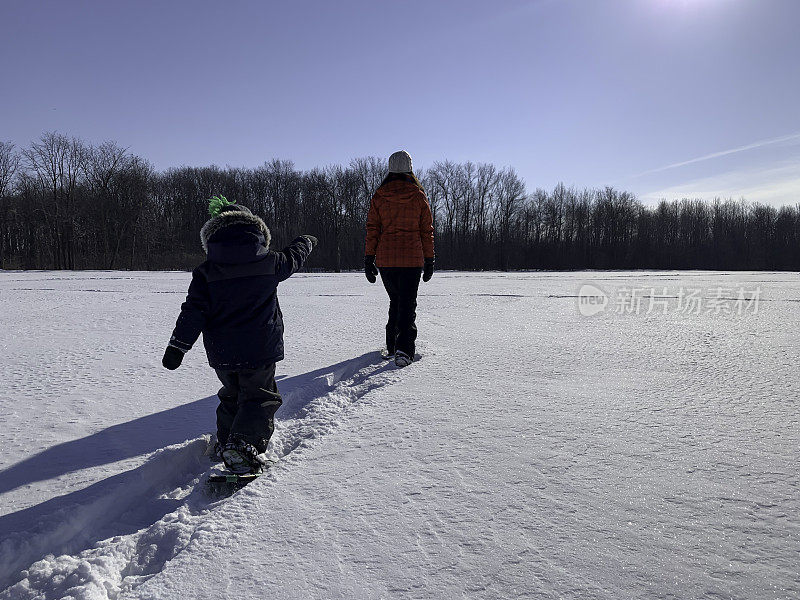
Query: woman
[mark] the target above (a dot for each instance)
(400, 246)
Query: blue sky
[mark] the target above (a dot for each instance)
(666, 98)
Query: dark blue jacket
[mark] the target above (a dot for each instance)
(233, 299)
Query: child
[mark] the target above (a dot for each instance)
(233, 301)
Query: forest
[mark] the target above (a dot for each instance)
(67, 204)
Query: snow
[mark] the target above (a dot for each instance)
(530, 452)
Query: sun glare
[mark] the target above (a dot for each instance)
(687, 4)
(687, 7)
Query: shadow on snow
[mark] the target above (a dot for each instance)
(127, 502)
(155, 431)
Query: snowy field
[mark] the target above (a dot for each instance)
(532, 452)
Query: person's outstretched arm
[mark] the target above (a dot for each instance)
(292, 258)
(190, 322)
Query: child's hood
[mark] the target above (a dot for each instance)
(229, 219)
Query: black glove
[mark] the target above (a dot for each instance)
(370, 270)
(172, 358)
(311, 239)
(427, 271)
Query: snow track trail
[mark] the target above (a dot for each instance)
(121, 504)
(123, 530)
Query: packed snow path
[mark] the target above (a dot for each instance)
(531, 452)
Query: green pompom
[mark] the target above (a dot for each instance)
(217, 203)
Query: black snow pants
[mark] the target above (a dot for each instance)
(247, 404)
(401, 284)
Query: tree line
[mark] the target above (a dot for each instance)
(65, 204)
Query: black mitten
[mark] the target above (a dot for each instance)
(172, 358)
(311, 239)
(370, 270)
(427, 271)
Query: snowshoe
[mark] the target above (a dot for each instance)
(226, 483)
(387, 354)
(401, 359)
(241, 458)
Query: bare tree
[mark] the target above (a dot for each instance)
(510, 193)
(101, 166)
(370, 171)
(57, 162)
(9, 164)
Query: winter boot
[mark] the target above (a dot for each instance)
(401, 359)
(241, 457)
(215, 456)
(214, 450)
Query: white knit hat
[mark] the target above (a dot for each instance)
(400, 162)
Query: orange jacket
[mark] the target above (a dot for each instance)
(399, 226)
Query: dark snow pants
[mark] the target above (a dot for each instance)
(402, 284)
(247, 404)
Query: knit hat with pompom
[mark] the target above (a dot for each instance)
(225, 213)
